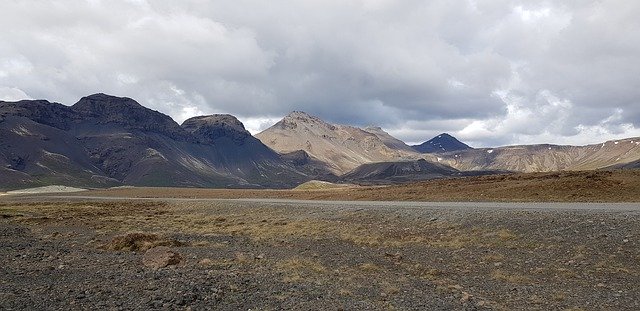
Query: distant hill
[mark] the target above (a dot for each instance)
(401, 171)
(625, 166)
(441, 144)
(546, 158)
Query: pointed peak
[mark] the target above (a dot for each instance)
(443, 142)
(445, 135)
(301, 117)
(296, 114)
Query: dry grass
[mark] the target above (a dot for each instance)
(587, 186)
(370, 267)
(448, 253)
(299, 269)
(510, 277)
(265, 224)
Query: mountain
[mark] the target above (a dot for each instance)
(309, 165)
(36, 153)
(441, 144)
(389, 140)
(401, 171)
(341, 147)
(105, 140)
(545, 157)
(234, 150)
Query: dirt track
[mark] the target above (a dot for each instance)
(246, 254)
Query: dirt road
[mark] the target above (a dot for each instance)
(377, 205)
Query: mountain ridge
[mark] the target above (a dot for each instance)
(105, 140)
(111, 140)
(341, 147)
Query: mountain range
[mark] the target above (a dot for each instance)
(104, 140)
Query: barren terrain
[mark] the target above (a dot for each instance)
(274, 255)
(319, 248)
(588, 186)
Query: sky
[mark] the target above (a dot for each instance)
(489, 72)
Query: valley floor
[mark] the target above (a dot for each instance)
(587, 186)
(59, 253)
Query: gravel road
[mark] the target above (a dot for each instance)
(381, 205)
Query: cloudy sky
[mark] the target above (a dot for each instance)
(490, 72)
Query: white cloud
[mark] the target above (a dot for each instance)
(12, 94)
(493, 72)
(257, 125)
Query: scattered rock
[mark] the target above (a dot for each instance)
(138, 241)
(160, 257)
(393, 256)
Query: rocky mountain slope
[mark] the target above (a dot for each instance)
(389, 140)
(441, 144)
(341, 147)
(546, 158)
(104, 140)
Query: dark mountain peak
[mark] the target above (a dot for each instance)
(41, 111)
(216, 120)
(103, 104)
(441, 144)
(445, 136)
(123, 111)
(213, 127)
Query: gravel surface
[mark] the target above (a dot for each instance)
(46, 189)
(297, 255)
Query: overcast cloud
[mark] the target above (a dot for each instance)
(490, 72)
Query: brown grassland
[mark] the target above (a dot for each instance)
(587, 186)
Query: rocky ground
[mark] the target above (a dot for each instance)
(250, 256)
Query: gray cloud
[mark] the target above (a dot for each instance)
(491, 72)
